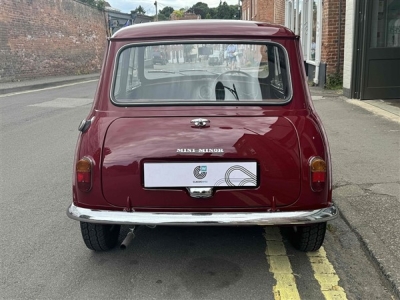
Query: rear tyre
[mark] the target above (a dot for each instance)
(100, 237)
(308, 238)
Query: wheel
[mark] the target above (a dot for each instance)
(233, 72)
(100, 237)
(248, 88)
(308, 238)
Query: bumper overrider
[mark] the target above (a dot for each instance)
(202, 218)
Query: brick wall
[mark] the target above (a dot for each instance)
(330, 52)
(265, 11)
(271, 11)
(279, 12)
(40, 38)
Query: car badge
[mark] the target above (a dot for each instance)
(200, 123)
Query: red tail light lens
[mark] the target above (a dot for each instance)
(318, 173)
(84, 174)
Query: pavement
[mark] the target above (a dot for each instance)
(44, 82)
(364, 138)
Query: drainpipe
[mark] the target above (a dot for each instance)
(316, 81)
(318, 42)
(297, 32)
(340, 36)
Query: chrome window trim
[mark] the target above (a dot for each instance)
(202, 103)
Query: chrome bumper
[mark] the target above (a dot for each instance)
(202, 218)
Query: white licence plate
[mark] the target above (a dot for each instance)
(200, 174)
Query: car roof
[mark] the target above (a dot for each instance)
(202, 29)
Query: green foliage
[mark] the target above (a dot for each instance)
(201, 9)
(99, 4)
(179, 13)
(222, 11)
(334, 81)
(331, 228)
(138, 10)
(167, 11)
(225, 11)
(213, 13)
(162, 17)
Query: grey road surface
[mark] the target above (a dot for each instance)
(42, 255)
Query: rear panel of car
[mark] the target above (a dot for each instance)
(270, 143)
(278, 140)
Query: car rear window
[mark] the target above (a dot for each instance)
(202, 73)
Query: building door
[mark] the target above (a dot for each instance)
(379, 38)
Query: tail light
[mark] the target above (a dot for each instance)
(318, 173)
(84, 174)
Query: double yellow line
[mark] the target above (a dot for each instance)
(285, 287)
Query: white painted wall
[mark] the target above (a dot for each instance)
(348, 42)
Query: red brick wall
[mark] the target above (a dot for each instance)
(40, 38)
(265, 11)
(279, 13)
(271, 11)
(330, 36)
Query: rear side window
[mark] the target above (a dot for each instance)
(206, 73)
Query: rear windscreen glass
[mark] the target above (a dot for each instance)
(202, 73)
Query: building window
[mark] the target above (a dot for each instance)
(304, 18)
(385, 24)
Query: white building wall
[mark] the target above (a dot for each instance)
(348, 43)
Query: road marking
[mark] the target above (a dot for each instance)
(280, 266)
(48, 88)
(326, 275)
(64, 102)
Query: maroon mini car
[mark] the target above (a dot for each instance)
(192, 143)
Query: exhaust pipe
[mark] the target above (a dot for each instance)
(128, 239)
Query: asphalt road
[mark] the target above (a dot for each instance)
(42, 255)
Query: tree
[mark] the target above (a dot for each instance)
(162, 17)
(201, 9)
(167, 11)
(224, 11)
(100, 4)
(179, 13)
(138, 10)
(213, 12)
